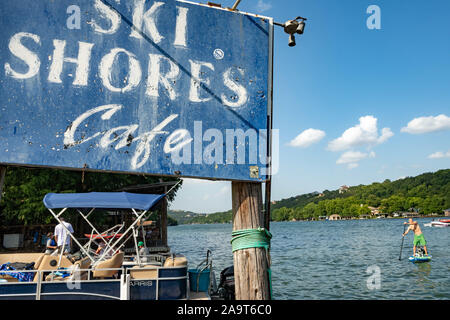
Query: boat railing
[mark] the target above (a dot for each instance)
(151, 258)
(129, 276)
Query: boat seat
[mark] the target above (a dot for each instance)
(177, 260)
(50, 262)
(20, 257)
(143, 273)
(82, 264)
(114, 262)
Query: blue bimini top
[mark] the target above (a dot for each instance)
(102, 200)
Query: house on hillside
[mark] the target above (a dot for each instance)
(334, 217)
(343, 189)
(374, 211)
(409, 214)
(447, 212)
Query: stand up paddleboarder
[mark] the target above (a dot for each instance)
(419, 239)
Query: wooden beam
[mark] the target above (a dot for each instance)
(250, 265)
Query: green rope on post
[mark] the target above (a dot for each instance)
(250, 238)
(253, 238)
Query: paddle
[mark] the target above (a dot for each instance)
(403, 238)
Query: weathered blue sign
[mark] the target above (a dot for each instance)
(140, 86)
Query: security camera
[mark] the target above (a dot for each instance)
(293, 27)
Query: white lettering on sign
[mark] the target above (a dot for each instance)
(238, 143)
(82, 62)
(142, 153)
(240, 97)
(30, 58)
(117, 62)
(147, 19)
(106, 68)
(155, 77)
(69, 135)
(106, 13)
(163, 72)
(181, 27)
(143, 147)
(196, 80)
(121, 71)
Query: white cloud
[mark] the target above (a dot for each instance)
(352, 158)
(427, 124)
(439, 155)
(262, 6)
(307, 138)
(363, 134)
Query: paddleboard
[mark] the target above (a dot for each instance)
(420, 259)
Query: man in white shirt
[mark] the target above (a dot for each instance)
(62, 235)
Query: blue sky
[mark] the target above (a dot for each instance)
(353, 105)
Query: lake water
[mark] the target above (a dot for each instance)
(334, 259)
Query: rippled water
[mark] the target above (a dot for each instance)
(330, 259)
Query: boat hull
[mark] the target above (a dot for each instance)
(169, 283)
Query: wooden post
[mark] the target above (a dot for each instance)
(250, 265)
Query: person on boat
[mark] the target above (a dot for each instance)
(101, 249)
(62, 237)
(419, 239)
(143, 252)
(51, 244)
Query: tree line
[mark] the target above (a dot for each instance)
(425, 194)
(24, 189)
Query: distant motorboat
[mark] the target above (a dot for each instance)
(439, 223)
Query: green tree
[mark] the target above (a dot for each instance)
(25, 189)
(309, 210)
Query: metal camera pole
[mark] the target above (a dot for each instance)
(252, 262)
(236, 4)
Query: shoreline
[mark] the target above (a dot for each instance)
(325, 220)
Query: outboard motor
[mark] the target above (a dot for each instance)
(226, 284)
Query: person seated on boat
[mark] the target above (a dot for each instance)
(62, 237)
(419, 238)
(143, 252)
(51, 247)
(101, 249)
